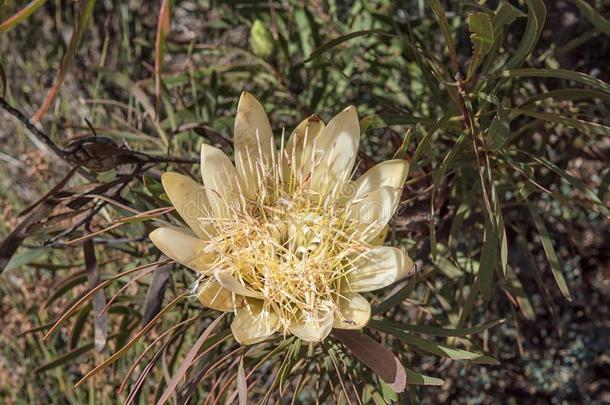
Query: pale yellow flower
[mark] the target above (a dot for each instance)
(285, 239)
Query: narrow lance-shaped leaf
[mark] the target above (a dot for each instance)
(599, 21)
(99, 298)
(333, 43)
(576, 183)
(376, 356)
(548, 248)
(482, 38)
(592, 128)
(68, 356)
(439, 12)
(3, 81)
(13, 240)
(436, 331)
(242, 385)
(414, 378)
(129, 344)
(536, 17)
(565, 74)
(188, 360)
(396, 298)
(516, 288)
(433, 347)
(156, 292)
(505, 15)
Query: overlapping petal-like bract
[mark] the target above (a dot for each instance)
(284, 238)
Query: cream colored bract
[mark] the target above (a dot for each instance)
(285, 239)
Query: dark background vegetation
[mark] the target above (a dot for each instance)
(550, 350)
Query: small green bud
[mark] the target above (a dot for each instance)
(261, 41)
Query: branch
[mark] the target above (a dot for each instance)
(42, 137)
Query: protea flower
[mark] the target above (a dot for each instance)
(285, 239)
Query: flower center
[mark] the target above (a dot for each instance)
(290, 245)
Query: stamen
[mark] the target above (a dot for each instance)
(293, 245)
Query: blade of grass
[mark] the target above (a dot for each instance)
(85, 12)
(163, 28)
(21, 15)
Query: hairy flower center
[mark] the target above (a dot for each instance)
(289, 244)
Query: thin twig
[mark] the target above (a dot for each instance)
(44, 138)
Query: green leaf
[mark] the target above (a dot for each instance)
(397, 297)
(506, 14)
(337, 41)
(499, 129)
(489, 258)
(482, 39)
(555, 73)
(438, 175)
(68, 356)
(536, 16)
(435, 348)
(439, 12)
(482, 33)
(414, 378)
(565, 94)
(437, 331)
(516, 288)
(599, 21)
(163, 28)
(587, 127)
(23, 258)
(576, 183)
(3, 81)
(425, 141)
(377, 121)
(549, 250)
(66, 285)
